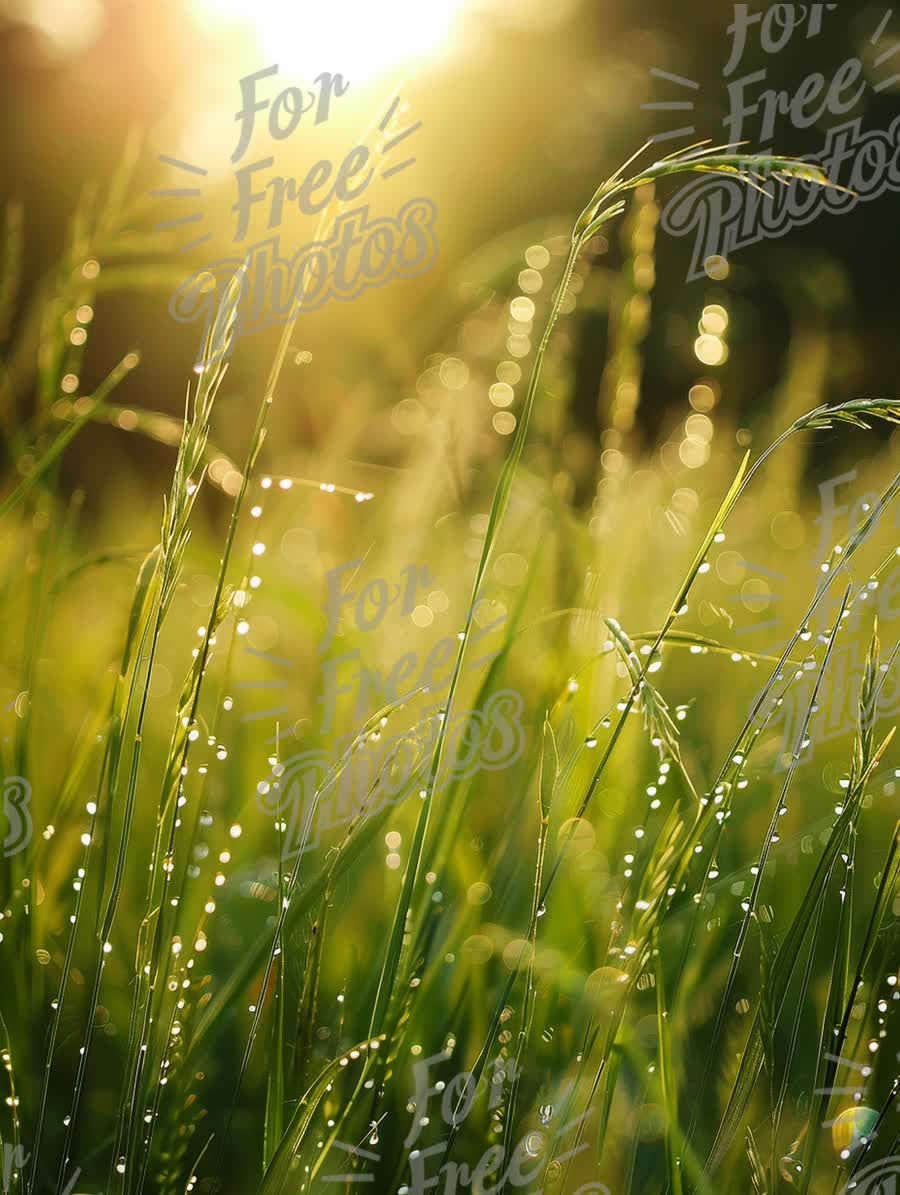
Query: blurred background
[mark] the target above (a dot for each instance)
(525, 108)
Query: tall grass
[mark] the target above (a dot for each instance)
(648, 939)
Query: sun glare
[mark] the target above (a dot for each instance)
(356, 38)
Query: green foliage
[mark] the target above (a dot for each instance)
(585, 931)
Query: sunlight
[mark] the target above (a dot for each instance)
(356, 38)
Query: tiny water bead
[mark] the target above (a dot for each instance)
(852, 1128)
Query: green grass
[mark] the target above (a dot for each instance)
(656, 939)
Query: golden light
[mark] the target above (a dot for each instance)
(67, 26)
(355, 38)
(702, 397)
(714, 320)
(710, 350)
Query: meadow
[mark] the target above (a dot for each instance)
(513, 811)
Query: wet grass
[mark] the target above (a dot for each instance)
(655, 929)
